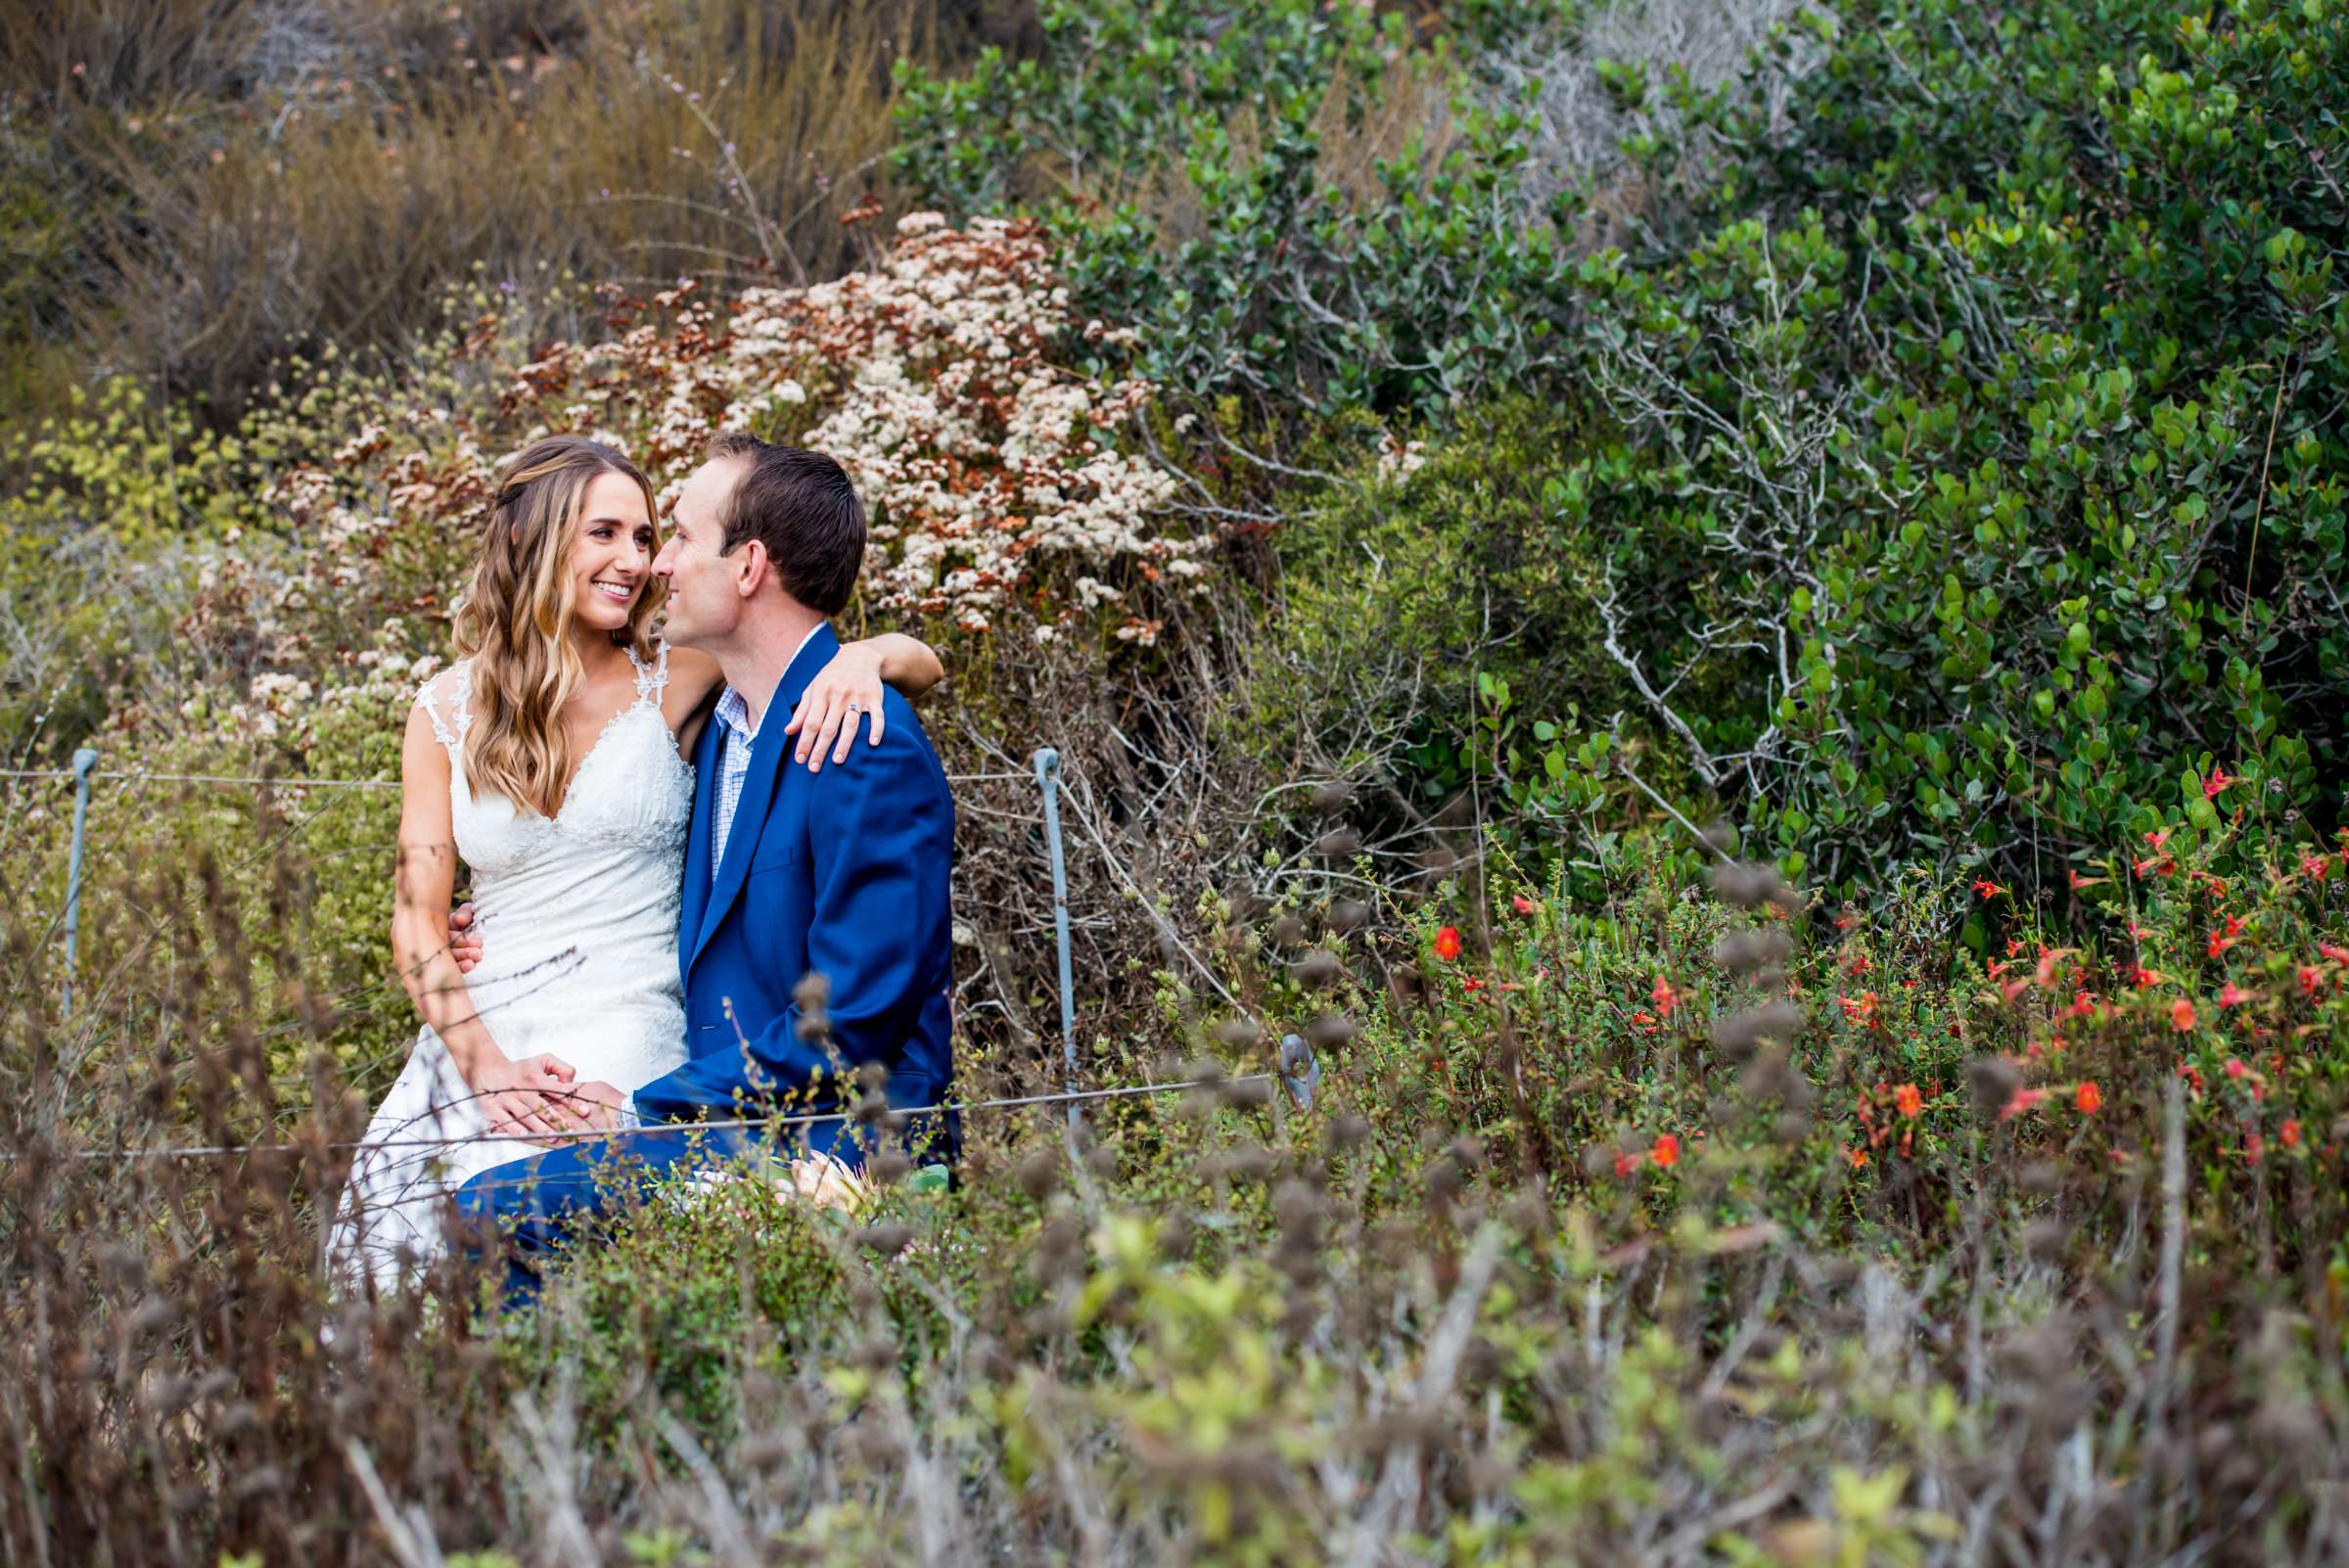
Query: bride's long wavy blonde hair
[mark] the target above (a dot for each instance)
(514, 622)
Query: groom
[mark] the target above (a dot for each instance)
(789, 874)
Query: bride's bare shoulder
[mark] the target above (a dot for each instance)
(692, 676)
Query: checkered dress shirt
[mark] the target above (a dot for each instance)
(738, 735)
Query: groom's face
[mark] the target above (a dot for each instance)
(707, 589)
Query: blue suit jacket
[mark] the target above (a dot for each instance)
(842, 873)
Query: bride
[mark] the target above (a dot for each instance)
(550, 760)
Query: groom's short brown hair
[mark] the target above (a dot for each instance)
(800, 506)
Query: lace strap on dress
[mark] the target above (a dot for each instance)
(432, 708)
(651, 679)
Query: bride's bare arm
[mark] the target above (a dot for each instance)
(849, 686)
(856, 674)
(514, 1095)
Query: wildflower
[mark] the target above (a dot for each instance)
(1909, 1100)
(1987, 888)
(2087, 1098)
(1523, 904)
(2219, 942)
(2232, 994)
(2236, 1067)
(2308, 980)
(2317, 866)
(1625, 1164)
(2024, 1100)
(1667, 1151)
(2182, 1015)
(1664, 997)
(2218, 779)
(2289, 1133)
(2158, 837)
(2334, 951)
(2141, 976)
(2255, 1149)
(1856, 1158)
(1447, 943)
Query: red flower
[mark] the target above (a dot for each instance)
(1987, 888)
(1910, 1101)
(2218, 779)
(2088, 1098)
(1625, 1164)
(1665, 998)
(2024, 1099)
(1856, 1157)
(1522, 904)
(2236, 1067)
(2142, 977)
(2182, 1015)
(2218, 943)
(2232, 994)
(2334, 951)
(2290, 1134)
(2255, 1148)
(2317, 866)
(2308, 980)
(1667, 1151)
(2158, 837)
(1447, 943)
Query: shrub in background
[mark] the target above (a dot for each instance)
(1195, 168)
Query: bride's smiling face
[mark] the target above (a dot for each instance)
(612, 553)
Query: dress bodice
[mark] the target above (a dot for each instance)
(583, 903)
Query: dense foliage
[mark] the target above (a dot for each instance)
(1755, 655)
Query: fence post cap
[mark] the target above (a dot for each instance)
(84, 759)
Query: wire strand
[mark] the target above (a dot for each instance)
(200, 1151)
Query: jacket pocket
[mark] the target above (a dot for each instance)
(775, 856)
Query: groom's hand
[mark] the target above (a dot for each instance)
(593, 1105)
(464, 941)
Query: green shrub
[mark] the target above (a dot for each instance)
(1193, 164)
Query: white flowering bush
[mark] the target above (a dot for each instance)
(1002, 483)
(989, 467)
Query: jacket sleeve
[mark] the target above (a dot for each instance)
(882, 842)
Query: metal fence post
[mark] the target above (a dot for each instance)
(84, 760)
(1047, 779)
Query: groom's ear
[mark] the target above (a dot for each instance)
(752, 567)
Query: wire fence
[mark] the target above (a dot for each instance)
(1299, 1072)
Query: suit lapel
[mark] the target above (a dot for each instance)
(697, 846)
(768, 756)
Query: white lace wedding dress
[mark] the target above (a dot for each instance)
(579, 923)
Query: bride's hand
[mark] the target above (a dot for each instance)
(847, 687)
(516, 1096)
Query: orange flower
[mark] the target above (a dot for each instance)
(1908, 1099)
(2182, 1015)
(1667, 1151)
(2087, 1098)
(1447, 943)
(1665, 998)
(1856, 1157)
(2218, 779)
(2290, 1134)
